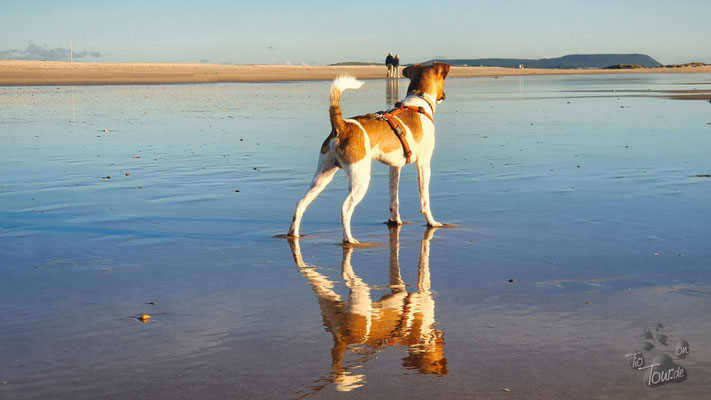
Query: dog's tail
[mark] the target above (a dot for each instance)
(341, 83)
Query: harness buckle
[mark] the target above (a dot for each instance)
(398, 131)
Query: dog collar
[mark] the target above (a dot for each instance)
(426, 97)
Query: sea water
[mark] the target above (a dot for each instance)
(582, 206)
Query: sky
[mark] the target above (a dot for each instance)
(318, 32)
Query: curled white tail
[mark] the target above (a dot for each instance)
(341, 83)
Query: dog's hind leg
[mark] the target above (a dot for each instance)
(394, 199)
(358, 181)
(324, 174)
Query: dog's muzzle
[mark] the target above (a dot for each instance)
(441, 99)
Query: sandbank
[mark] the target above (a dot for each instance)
(33, 73)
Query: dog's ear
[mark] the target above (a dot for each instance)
(412, 72)
(442, 69)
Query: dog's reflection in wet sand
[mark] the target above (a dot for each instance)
(363, 327)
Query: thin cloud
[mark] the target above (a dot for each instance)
(37, 52)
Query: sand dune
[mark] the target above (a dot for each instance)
(23, 73)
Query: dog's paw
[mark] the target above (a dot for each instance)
(442, 225)
(361, 245)
(286, 236)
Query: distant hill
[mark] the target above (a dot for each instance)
(566, 62)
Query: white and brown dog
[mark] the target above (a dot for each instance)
(397, 137)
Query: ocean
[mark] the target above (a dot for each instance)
(583, 238)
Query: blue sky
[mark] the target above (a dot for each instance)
(323, 32)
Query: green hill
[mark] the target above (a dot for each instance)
(566, 62)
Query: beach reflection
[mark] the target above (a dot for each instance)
(392, 92)
(362, 327)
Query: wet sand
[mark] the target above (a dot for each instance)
(694, 94)
(33, 73)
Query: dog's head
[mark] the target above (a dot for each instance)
(428, 79)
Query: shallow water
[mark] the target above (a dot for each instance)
(587, 191)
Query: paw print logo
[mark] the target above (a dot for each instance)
(662, 369)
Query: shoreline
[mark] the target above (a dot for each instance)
(59, 73)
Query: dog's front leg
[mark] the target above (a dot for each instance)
(423, 184)
(394, 198)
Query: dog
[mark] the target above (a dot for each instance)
(397, 137)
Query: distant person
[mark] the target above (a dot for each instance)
(396, 66)
(389, 64)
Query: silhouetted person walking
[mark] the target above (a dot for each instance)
(389, 64)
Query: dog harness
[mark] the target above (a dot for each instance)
(397, 129)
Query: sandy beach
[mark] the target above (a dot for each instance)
(35, 73)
